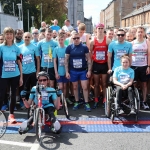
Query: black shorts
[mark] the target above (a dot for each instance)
(140, 73)
(99, 68)
(51, 72)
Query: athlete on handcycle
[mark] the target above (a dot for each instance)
(50, 102)
(123, 77)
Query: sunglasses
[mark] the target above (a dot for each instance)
(77, 38)
(35, 33)
(27, 37)
(120, 35)
(1, 39)
(101, 28)
(44, 80)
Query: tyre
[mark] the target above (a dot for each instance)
(137, 105)
(65, 107)
(38, 125)
(108, 102)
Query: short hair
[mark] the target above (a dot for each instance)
(110, 30)
(67, 20)
(82, 26)
(125, 56)
(140, 27)
(61, 35)
(17, 30)
(121, 30)
(49, 30)
(8, 30)
(42, 30)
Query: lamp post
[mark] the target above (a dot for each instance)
(19, 7)
(32, 17)
(120, 12)
(41, 12)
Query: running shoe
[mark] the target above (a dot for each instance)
(87, 107)
(76, 106)
(121, 112)
(96, 104)
(4, 108)
(12, 119)
(145, 105)
(69, 101)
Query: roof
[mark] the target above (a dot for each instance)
(138, 11)
(108, 5)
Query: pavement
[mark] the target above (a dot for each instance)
(78, 140)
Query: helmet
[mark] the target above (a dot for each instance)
(43, 73)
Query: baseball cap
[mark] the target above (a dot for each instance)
(100, 25)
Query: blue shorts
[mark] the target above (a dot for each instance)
(78, 75)
(63, 79)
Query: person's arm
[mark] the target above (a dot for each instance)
(20, 69)
(89, 62)
(115, 81)
(27, 103)
(148, 55)
(55, 69)
(129, 83)
(38, 65)
(109, 62)
(67, 65)
(91, 47)
(130, 54)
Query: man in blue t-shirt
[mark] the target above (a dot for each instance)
(119, 47)
(55, 26)
(78, 68)
(18, 37)
(46, 46)
(35, 36)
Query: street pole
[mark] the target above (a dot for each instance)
(41, 12)
(32, 17)
(13, 9)
(22, 11)
(120, 12)
(28, 21)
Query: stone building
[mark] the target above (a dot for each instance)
(139, 17)
(76, 12)
(117, 9)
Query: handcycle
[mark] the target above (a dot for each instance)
(111, 105)
(39, 119)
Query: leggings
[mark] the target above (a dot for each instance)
(49, 110)
(13, 82)
(120, 92)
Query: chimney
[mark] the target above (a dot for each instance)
(138, 5)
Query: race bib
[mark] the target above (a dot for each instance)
(44, 95)
(120, 53)
(124, 79)
(46, 58)
(100, 55)
(61, 61)
(9, 66)
(77, 63)
(27, 59)
(139, 59)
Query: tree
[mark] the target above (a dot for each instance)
(52, 9)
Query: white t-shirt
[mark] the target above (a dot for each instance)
(67, 28)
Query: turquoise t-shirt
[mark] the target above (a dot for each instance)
(59, 53)
(47, 50)
(34, 42)
(20, 43)
(45, 96)
(9, 54)
(28, 61)
(57, 28)
(123, 75)
(119, 50)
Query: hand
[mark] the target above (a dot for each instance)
(88, 75)
(57, 76)
(59, 92)
(67, 75)
(37, 74)
(147, 71)
(124, 87)
(109, 71)
(20, 82)
(23, 94)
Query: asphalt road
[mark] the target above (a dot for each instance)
(80, 141)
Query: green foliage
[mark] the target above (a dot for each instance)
(51, 9)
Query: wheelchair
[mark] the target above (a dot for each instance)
(112, 108)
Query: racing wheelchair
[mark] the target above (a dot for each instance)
(111, 105)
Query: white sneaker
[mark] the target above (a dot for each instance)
(56, 125)
(145, 105)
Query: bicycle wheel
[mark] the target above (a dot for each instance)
(38, 124)
(65, 107)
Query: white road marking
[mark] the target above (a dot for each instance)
(32, 146)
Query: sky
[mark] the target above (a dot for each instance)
(93, 8)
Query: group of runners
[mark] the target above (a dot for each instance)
(74, 60)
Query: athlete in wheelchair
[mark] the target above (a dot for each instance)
(121, 96)
(50, 102)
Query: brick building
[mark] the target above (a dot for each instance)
(117, 9)
(140, 16)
